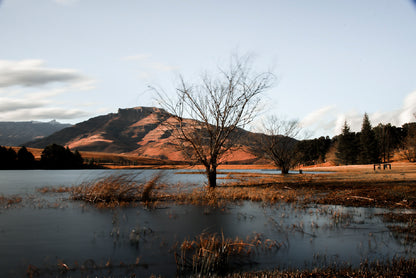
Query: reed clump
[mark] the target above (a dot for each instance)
(403, 226)
(215, 254)
(50, 189)
(10, 201)
(115, 190)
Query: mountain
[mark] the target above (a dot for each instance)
(134, 131)
(18, 133)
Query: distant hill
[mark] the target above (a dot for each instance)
(133, 131)
(18, 133)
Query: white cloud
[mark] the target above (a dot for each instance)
(8, 104)
(318, 116)
(42, 113)
(33, 73)
(409, 108)
(327, 120)
(31, 91)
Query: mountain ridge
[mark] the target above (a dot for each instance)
(18, 133)
(134, 131)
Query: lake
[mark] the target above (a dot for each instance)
(45, 230)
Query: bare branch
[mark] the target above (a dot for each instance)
(278, 142)
(218, 106)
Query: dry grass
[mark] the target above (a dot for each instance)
(404, 268)
(7, 202)
(403, 226)
(213, 253)
(51, 189)
(359, 188)
(88, 268)
(333, 189)
(115, 190)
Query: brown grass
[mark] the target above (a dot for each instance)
(7, 202)
(361, 189)
(382, 269)
(115, 190)
(51, 189)
(403, 226)
(213, 253)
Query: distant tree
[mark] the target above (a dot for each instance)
(77, 160)
(409, 142)
(218, 106)
(389, 139)
(347, 146)
(368, 143)
(278, 142)
(3, 157)
(313, 151)
(8, 158)
(58, 157)
(25, 159)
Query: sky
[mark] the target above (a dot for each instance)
(70, 60)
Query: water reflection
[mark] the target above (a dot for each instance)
(76, 234)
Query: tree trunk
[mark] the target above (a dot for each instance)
(212, 177)
(285, 171)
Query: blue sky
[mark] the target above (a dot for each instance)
(70, 60)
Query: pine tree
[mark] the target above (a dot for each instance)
(369, 152)
(347, 148)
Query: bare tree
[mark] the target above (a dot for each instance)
(278, 144)
(207, 116)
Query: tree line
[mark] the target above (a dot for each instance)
(370, 145)
(375, 145)
(53, 157)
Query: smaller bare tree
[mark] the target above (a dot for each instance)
(206, 117)
(278, 144)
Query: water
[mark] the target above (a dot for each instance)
(47, 229)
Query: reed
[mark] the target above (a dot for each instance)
(9, 201)
(115, 190)
(399, 267)
(215, 254)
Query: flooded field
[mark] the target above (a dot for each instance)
(50, 235)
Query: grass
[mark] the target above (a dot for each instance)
(404, 268)
(359, 189)
(8, 202)
(115, 190)
(213, 253)
(403, 226)
(398, 267)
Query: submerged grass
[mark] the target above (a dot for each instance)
(403, 226)
(399, 267)
(7, 202)
(115, 190)
(213, 253)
